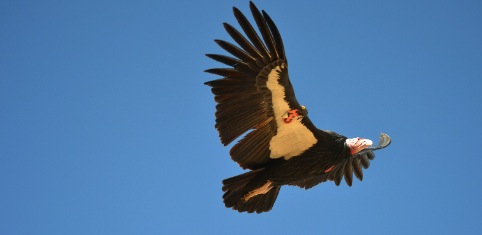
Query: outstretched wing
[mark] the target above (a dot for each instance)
(255, 94)
(351, 165)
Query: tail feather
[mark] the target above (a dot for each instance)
(236, 188)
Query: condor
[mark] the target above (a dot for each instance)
(282, 146)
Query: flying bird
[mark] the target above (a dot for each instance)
(281, 146)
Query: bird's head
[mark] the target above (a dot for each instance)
(358, 144)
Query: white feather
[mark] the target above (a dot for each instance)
(292, 138)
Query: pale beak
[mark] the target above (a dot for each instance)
(358, 144)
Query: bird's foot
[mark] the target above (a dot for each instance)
(290, 115)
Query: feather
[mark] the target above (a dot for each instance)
(232, 129)
(364, 161)
(277, 37)
(225, 72)
(252, 35)
(357, 169)
(264, 30)
(338, 173)
(231, 82)
(241, 40)
(253, 150)
(235, 51)
(349, 172)
(226, 59)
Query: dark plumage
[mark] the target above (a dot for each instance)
(282, 146)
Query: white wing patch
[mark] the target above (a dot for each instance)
(292, 138)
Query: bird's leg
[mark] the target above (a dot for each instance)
(290, 115)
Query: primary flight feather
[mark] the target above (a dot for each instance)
(282, 146)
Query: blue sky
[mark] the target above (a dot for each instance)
(106, 126)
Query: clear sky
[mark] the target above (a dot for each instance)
(106, 126)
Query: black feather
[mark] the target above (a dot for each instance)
(277, 37)
(264, 30)
(349, 172)
(357, 169)
(235, 51)
(252, 35)
(241, 40)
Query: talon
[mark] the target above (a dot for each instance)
(291, 115)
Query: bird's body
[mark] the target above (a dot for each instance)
(283, 146)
